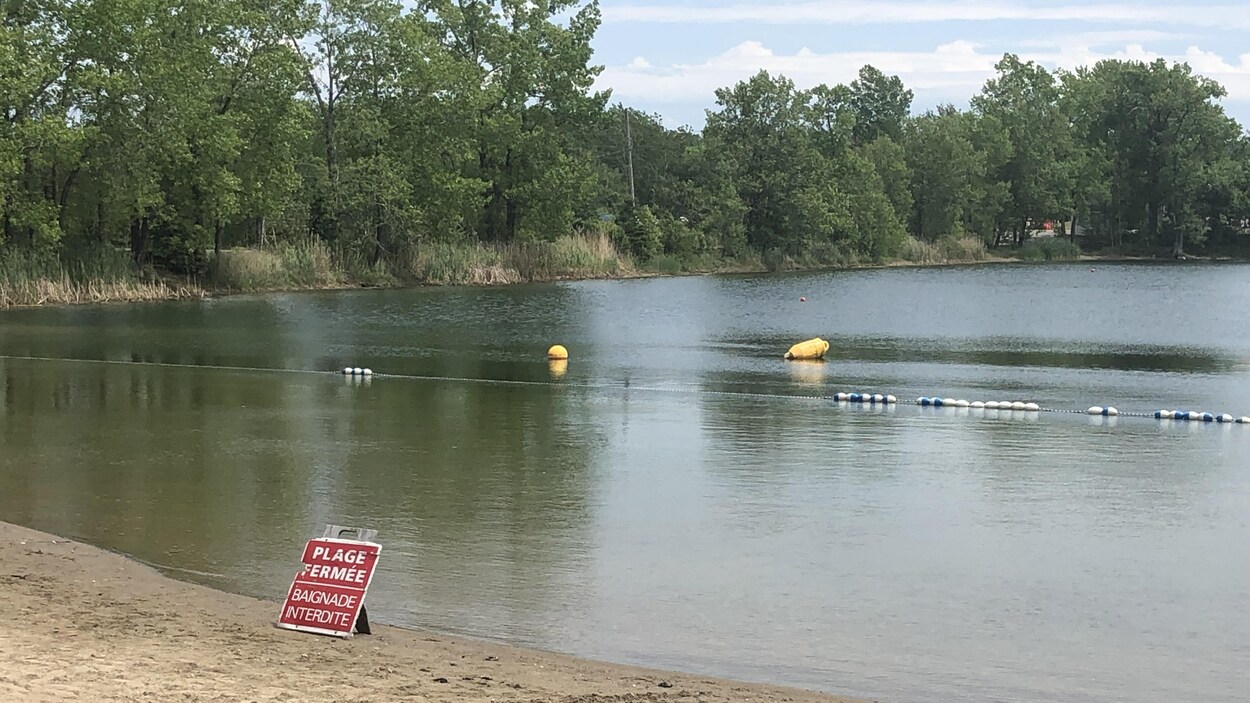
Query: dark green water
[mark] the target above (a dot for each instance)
(675, 499)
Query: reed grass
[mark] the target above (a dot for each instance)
(96, 276)
(307, 264)
(107, 274)
(476, 263)
(945, 251)
(1049, 249)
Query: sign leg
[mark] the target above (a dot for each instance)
(362, 622)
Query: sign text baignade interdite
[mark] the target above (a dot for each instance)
(327, 596)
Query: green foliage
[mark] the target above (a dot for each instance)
(1049, 249)
(646, 238)
(305, 143)
(666, 265)
(1022, 104)
(881, 105)
(950, 183)
(962, 249)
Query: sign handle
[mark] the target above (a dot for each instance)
(356, 533)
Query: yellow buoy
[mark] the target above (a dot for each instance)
(811, 349)
(558, 367)
(557, 352)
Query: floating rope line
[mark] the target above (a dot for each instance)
(870, 399)
(157, 364)
(1018, 406)
(361, 376)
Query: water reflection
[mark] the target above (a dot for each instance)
(1007, 352)
(679, 496)
(221, 472)
(808, 372)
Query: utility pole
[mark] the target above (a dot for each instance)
(629, 147)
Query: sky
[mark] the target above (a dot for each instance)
(669, 58)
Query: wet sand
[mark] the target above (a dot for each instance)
(85, 624)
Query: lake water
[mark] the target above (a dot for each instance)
(679, 497)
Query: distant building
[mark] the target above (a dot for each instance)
(1050, 228)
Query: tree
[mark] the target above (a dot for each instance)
(950, 190)
(880, 103)
(762, 127)
(533, 108)
(1023, 100)
(889, 161)
(1162, 138)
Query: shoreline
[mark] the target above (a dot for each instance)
(188, 290)
(89, 623)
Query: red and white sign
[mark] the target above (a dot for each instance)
(327, 595)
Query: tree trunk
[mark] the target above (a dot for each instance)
(509, 213)
(1178, 240)
(63, 199)
(494, 208)
(513, 216)
(379, 232)
(379, 225)
(139, 240)
(328, 118)
(29, 169)
(328, 132)
(217, 241)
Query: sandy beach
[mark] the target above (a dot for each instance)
(86, 624)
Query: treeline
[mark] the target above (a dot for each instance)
(382, 130)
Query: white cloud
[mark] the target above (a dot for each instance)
(1225, 15)
(950, 72)
(1099, 40)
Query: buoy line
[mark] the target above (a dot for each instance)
(840, 398)
(1018, 406)
(353, 373)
